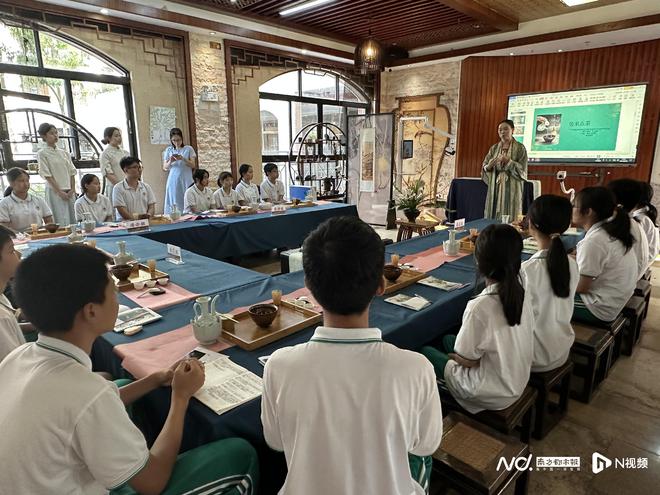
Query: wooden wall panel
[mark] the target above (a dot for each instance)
(487, 81)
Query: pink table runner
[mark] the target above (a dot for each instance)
(430, 259)
(174, 294)
(156, 353)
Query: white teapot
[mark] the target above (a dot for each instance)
(206, 324)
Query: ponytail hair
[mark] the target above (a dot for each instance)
(626, 192)
(551, 215)
(646, 195)
(242, 170)
(602, 202)
(497, 252)
(107, 134)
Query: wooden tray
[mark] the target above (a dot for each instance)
(408, 277)
(44, 234)
(247, 335)
(466, 246)
(140, 273)
(159, 220)
(302, 204)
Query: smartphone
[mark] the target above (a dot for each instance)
(195, 354)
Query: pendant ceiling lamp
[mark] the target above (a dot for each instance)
(368, 55)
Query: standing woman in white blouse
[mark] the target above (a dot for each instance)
(179, 161)
(110, 158)
(248, 193)
(57, 169)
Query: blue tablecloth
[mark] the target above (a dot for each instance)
(222, 238)
(467, 198)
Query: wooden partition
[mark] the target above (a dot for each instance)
(487, 81)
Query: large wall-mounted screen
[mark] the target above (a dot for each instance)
(595, 125)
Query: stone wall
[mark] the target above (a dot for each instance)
(157, 73)
(426, 80)
(211, 117)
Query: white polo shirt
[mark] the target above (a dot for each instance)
(651, 231)
(247, 193)
(346, 409)
(272, 192)
(56, 163)
(640, 247)
(613, 270)
(100, 209)
(136, 201)
(223, 199)
(21, 213)
(201, 200)
(11, 335)
(110, 159)
(64, 428)
(553, 333)
(505, 353)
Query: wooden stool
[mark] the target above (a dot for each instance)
(407, 229)
(634, 313)
(616, 329)
(591, 355)
(647, 275)
(549, 413)
(520, 413)
(643, 289)
(468, 458)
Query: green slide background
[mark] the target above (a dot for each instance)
(599, 135)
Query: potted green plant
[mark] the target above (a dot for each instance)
(410, 197)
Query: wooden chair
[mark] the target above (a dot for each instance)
(643, 289)
(519, 414)
(591, 355)
(634, 313)
(549, 412)
(407, 229)
(468, 456)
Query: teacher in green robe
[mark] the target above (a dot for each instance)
(505, 171)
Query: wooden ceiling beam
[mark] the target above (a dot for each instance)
(539, 38)
(483, 14)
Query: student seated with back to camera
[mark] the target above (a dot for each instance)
(71, 422)
(133, 198)
(350, 412)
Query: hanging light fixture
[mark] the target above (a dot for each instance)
(368, 55)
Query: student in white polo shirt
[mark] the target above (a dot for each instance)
(131, 197)
(57, 169)
(225, 196)
(19, 209)
(628, 194)
(487, 366)
(272, 189)
(551, 277)
(248, 192)
(71, 422)
(92, 201)
(346, 408)
(607, 263)
(110, 158)
(647, 215)
(11, 333)
(199, 196)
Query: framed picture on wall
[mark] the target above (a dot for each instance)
(407, 149)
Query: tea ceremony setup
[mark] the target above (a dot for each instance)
(329, 247)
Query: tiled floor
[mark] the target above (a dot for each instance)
(622, 420)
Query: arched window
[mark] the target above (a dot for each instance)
(269, 133)
(50, 76)
(301, 97)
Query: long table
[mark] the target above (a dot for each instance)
(402, 327)
(221, 238)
